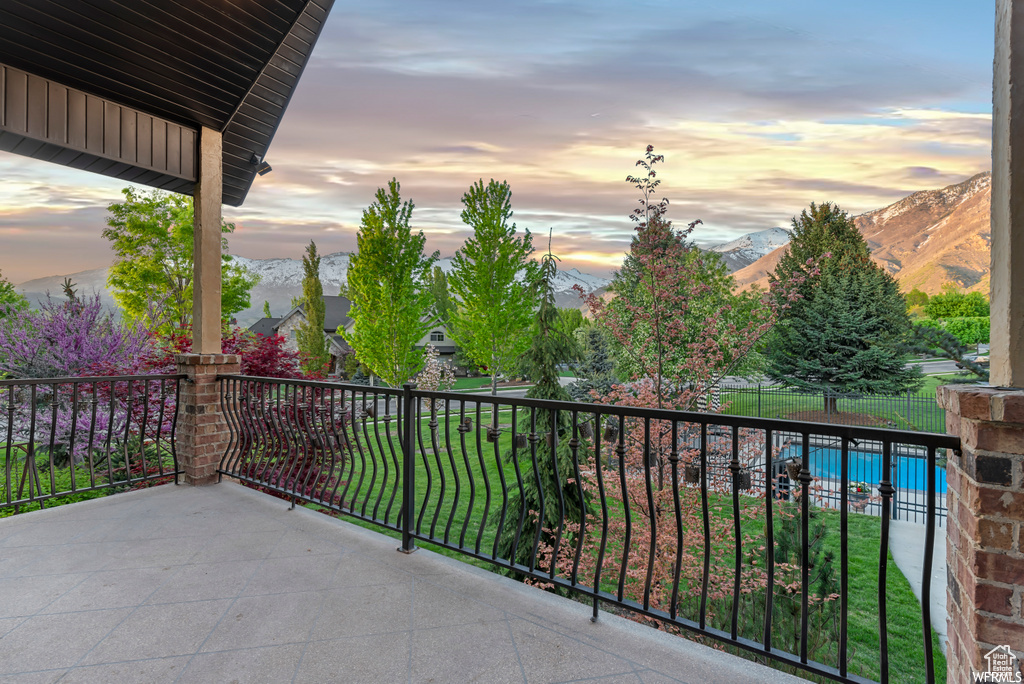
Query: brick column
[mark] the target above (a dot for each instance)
(202, 433)
(985, 536)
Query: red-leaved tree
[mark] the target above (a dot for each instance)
(679, 330)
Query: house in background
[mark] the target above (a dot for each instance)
(336, 317)
(437, 337)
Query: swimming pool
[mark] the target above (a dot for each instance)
(909, 472)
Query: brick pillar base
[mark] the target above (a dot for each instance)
(985, 548)
(202, 434)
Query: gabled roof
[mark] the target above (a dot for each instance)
(265, 326)
(122, 87)
(335, 313)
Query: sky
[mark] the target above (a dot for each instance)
(759, 108)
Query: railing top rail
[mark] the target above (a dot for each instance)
(851, 432)
(326, 384)
(88, 378)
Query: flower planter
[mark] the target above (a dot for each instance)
(611, 431)
(492, 434)
(467, 423)
(521, 440)
(858, 500)
(793, 468)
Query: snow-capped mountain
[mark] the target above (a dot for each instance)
(746, 250)
(281, 280)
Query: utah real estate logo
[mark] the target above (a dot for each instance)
(1001, 666)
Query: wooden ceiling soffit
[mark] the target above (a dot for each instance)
(46, 120)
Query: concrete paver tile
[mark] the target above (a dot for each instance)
(269, 665)
(55, 641)
(128, 672)
(159, 631)
(111, 589)
(364, 610)
(265, 621)
(358, 660)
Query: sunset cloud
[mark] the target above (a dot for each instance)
(758, 111)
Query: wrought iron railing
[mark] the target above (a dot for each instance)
(68, 438)
(711, 524)
(906, 411)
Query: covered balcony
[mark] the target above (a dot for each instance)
(671, 518)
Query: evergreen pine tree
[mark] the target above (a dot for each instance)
(266, 309)
(542, 506)
(310, 336)
(848, 331)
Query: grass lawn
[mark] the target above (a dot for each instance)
(440, 506)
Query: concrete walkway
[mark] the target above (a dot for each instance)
(906, 543)
(224, 584)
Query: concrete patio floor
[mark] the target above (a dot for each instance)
(224, 584)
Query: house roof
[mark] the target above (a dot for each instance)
(122, 87)
(335, 313)
(265, 326)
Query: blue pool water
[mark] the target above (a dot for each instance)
(909, 472)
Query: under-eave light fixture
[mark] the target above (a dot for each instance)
(262, 167)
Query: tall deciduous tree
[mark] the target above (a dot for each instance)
(847, 332)
(151, 235)
(493, 280)
(674, 324)
(390, 307)
(310, 334)
(953, 302)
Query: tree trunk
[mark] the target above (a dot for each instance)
(494, 384)
(831, 404)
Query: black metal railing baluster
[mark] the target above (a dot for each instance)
(462, 430)
(769, 525)
(599, 469)
(553, 450)
(844, 552)
(805, 515)
(443, 481)
(620, 454)
(734, 467)
(673, 459)
(456, 480)
(533, 439)
(496, 441)
(483, 476)
(706, 517)
(396, 465)
(514, 551)
(653, 531)
(408, 469)
(885, 489)
(926, 571)
(574, 450)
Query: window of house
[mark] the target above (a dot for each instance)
(437, 336)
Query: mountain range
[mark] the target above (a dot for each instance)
(925, 240)
(281, 279)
